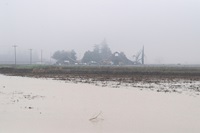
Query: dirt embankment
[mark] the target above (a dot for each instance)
(160, 79)
(107, 73)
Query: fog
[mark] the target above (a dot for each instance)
(168, 29)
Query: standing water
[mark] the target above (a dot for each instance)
(29, 105)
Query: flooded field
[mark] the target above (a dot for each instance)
(30, 105)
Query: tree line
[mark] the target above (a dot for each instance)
(101, 54)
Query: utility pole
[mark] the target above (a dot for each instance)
(15, 51)
(50, 58)
(143, 55)
(30, 56)
(41, 56)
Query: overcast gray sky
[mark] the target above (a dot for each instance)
(169, 29)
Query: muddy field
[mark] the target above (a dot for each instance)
(99, 99)
(179, 79)
(35, 105)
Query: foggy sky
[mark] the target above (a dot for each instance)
(168, 29)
